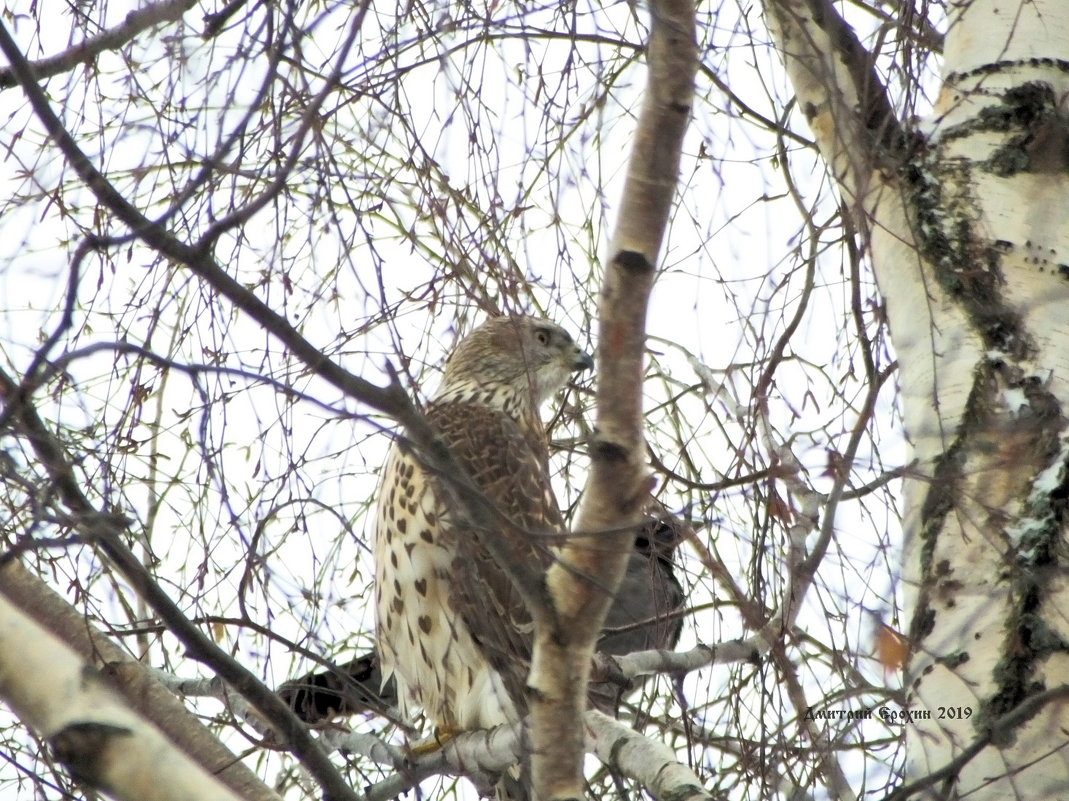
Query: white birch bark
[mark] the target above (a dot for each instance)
(100, 740)
(966, 226)
(593, 561)
(148, 698)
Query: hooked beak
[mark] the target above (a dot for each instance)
(583, 361)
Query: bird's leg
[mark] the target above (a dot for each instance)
(442, 735)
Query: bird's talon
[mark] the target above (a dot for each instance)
(437, 741)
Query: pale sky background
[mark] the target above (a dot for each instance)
(720, 276)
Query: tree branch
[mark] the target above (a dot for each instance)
(653, 764)
(92, 732)
(142, 692)
(1023, 712)
(838, 90)
(136, 22)
(626, 668)
(474, 511)
(106, 531)
(367, 745)
(593, 560)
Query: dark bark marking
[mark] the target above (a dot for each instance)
(633, 262)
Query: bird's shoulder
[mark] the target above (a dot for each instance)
(506, 458)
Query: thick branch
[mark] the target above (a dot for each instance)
(838, 90)
(140, 690)
(92, 732)
(651, 763)
(482, 754)
(592, 563)
(136, 22)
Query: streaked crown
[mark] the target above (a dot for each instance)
(512, 363)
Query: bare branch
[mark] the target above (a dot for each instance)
(838, 89)
(100, 740)
(107, 532)
(136, 22)
(652, 763)
(140, 690)
(1023, 712)
(646, 663)
(593, 560)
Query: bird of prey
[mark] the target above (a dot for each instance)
(454, 637)
(452, 629)
(645, 615)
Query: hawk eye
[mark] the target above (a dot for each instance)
(542, 335)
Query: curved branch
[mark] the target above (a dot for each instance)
(368, 745)
(136, 22)
(193, 370)
(480, 755)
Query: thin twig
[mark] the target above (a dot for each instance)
(136, 22)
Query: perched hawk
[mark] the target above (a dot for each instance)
(452, 630)
(454, 637)
(645, 614)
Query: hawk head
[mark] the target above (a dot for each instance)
(512, 363)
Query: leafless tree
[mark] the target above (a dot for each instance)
(242, 236)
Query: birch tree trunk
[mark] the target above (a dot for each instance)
(965, 221)
(93, 733)
(593, 561)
